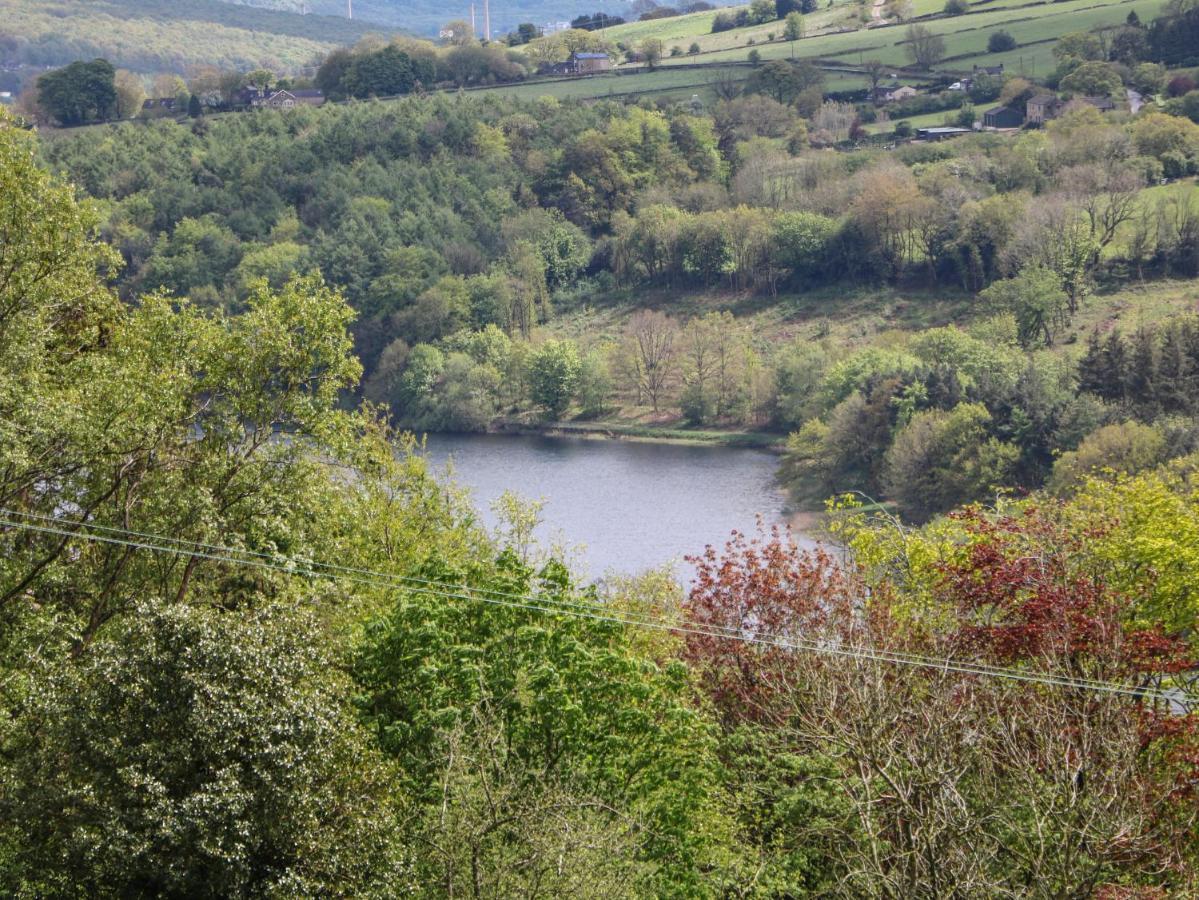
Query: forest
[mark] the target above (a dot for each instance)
(534, 262)
(228, 669)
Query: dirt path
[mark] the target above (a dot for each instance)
(876, 12)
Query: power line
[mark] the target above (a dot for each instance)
(311, 569)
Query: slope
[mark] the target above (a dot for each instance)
(163, 35)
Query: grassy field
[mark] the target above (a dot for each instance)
(682, 31)
(965, 36)
(670, 84)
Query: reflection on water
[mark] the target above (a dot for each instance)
(632, 505)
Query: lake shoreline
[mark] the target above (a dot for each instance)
(612, 431)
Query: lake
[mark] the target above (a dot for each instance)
(628, 505)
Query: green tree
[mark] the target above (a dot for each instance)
(793, 27)
(194, 753)
(1093, 79)
(573, 699)
(554, 376)
(942, 459)
(1036, 298)
(81, 92)
(651, 51)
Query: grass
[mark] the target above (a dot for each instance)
(666, 83)
(965, 36)
(682, 31)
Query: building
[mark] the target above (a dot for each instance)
(292, 99)
(894, 95)
(1002, 117)
(1103, 104)
(1043, 107)
(589, 63)
(940, 132)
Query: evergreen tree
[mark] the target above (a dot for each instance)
(1142, 373)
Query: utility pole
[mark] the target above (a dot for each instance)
(474, 27)
(486, 20)
(349, 9)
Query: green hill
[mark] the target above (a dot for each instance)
(427, 16)
(158, 35)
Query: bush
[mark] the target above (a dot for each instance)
(1000, 41)
(693, 49)
(956, 7)
(903, 128)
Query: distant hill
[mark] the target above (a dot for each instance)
(168, 35)
(425, 17)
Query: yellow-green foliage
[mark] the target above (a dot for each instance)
(1146, 541)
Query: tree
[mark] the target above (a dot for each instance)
(956, 7)
(191, 752)
(1093, 79)
(924, 47)
(876, 70)
(651, 51)
(784, 80)
(571, 697)
(761, 12)
(458, 32)
(1000, 41)
(81, 92)
(131, 93)
(260, 79)
(651, 354)
(793, 27)
(1036, 298)
(554, 371)
(193, 107)
(940, 460)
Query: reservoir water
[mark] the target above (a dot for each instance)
(628, 506)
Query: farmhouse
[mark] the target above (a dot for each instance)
(1002, 117)
(894, 95)
(1043, 107)
(292, 99)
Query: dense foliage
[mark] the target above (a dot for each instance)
(248, 646)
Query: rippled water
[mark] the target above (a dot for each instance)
(632, 505)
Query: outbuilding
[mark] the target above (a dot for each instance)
(1002, 117)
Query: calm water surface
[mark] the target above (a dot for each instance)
(631, 506)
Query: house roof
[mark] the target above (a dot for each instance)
(1099, 102)
(996, 110)
(1044, 99)
(943, 129)
(591, 56)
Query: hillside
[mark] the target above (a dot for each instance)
(425, 17)
(838, 39)
(162, 35)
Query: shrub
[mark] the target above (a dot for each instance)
(1000, 41)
